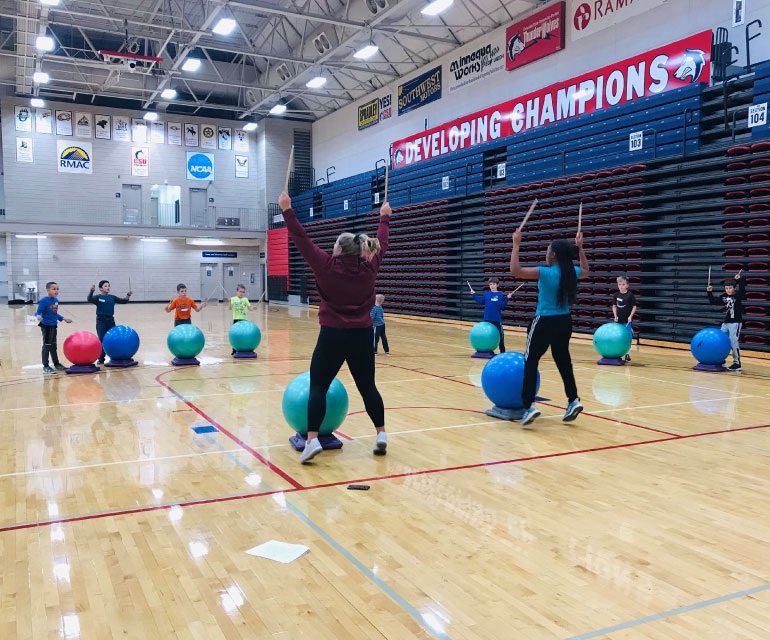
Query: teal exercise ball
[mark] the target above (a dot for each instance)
(185, 341)
(612, 340)
(245, 336)
(484, 337)
(295, 399)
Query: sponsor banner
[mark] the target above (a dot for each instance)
(241, 166)
(535, 37)
(208, 136)
(368, 114)
(591, 16)
(241, 141)
(200, 166)
(174, 132)
(121, 128)
(74, 157)
(23, 118)
(386, 109)
(419, 91)
(668, 67)
(43, 120)
(64, 123)
(84, 124)
(472, 64)
(140, 161)
(191, 134)
(139, 130)
(225, 139)
(103, 126)
(157, 132)
(24, 150)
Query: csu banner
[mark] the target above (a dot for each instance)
(668, 67)
(536, 37)
(591, 16)
(369, 114)
(419, 91)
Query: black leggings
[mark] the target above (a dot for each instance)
(334, 347)
(103, 325)
(501, 344)
(49, 344)
(544, 332)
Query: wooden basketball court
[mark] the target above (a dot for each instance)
(645, 518)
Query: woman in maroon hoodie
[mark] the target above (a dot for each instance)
(345, 281)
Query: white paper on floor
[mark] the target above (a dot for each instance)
(280, 551)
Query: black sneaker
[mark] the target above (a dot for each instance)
(734, 367)
(47, 369)
(59, 367)
(100, 361)
(627, 358)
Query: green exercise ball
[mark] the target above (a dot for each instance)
(295, 399)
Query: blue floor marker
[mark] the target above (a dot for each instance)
(205, 429)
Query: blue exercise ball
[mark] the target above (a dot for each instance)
(484, 337)
(710, 346)
(502, 380)
(612, 340)
(295, 399)
(244, 336)
(121, 342)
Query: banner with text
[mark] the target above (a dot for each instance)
(419, 91)
(668, 67)
(368, 114)
(590, 17)
(471, 64)
(535, 37)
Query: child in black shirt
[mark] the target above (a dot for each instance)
(624, 308)
(732, 301)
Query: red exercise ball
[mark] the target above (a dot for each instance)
(82, 347)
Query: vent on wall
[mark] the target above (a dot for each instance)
(321, 42)
(375, 5)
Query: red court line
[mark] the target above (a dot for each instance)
(345, 436)
(593, 415)
(230, 435)
(190, 503)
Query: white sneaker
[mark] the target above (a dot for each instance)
(312, 449)
(382, 444)
(529, 415)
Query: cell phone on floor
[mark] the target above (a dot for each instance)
(358, 487)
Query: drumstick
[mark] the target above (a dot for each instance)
(529, 213)
(580, 216)
(469, 285)
(519, 287)
(385, 195)
(709, 282)
(288, 169)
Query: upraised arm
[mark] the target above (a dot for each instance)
(527, 273)
(585, 269)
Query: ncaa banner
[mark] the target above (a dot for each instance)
(591, 16)
(200, 166)
(475, 63)
(669, 67)
(536, 37)
(369, 114)
(74, 158)
(419, 91)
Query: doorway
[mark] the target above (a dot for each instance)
(211, 281)
(198, 207)
(131, 197)
(231, 277)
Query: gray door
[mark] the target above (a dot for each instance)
(198, 207)
(131, 197)
(211, 281)
(231, 276)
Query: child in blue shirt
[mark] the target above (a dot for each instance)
(378, 323)
(48, 318)
(494, 302)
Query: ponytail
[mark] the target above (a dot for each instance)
(567, 292)
(358, 244)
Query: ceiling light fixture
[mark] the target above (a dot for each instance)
(151, 116)
(37, 102)
(40, 77)
(224, 27)
(44, 43)
(204, 241)
(316, 83)
(168, 94)
(98, 238)
(29, 237)
(278, 108)
(436, 7)
(50, 3)
(191, 64)
(250, 126)
(364, 53)
(154, 239)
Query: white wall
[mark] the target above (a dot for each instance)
(337, 141)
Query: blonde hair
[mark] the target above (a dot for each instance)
(358, 244)
(379, 298)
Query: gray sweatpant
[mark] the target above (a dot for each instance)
(733, 331)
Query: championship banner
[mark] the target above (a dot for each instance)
(369, 114)
(536, 37)
(668, 67)
(419, 91)
(591, 16)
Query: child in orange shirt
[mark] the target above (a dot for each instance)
(183, 306)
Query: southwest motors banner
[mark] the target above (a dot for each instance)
(591, 16)
(536, 37)
(419, 91)
(669, 67)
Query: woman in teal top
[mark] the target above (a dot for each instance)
(552, 324)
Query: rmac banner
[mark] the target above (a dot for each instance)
(419, 91)
(669, 67)
(536, 37)
(591, 16)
